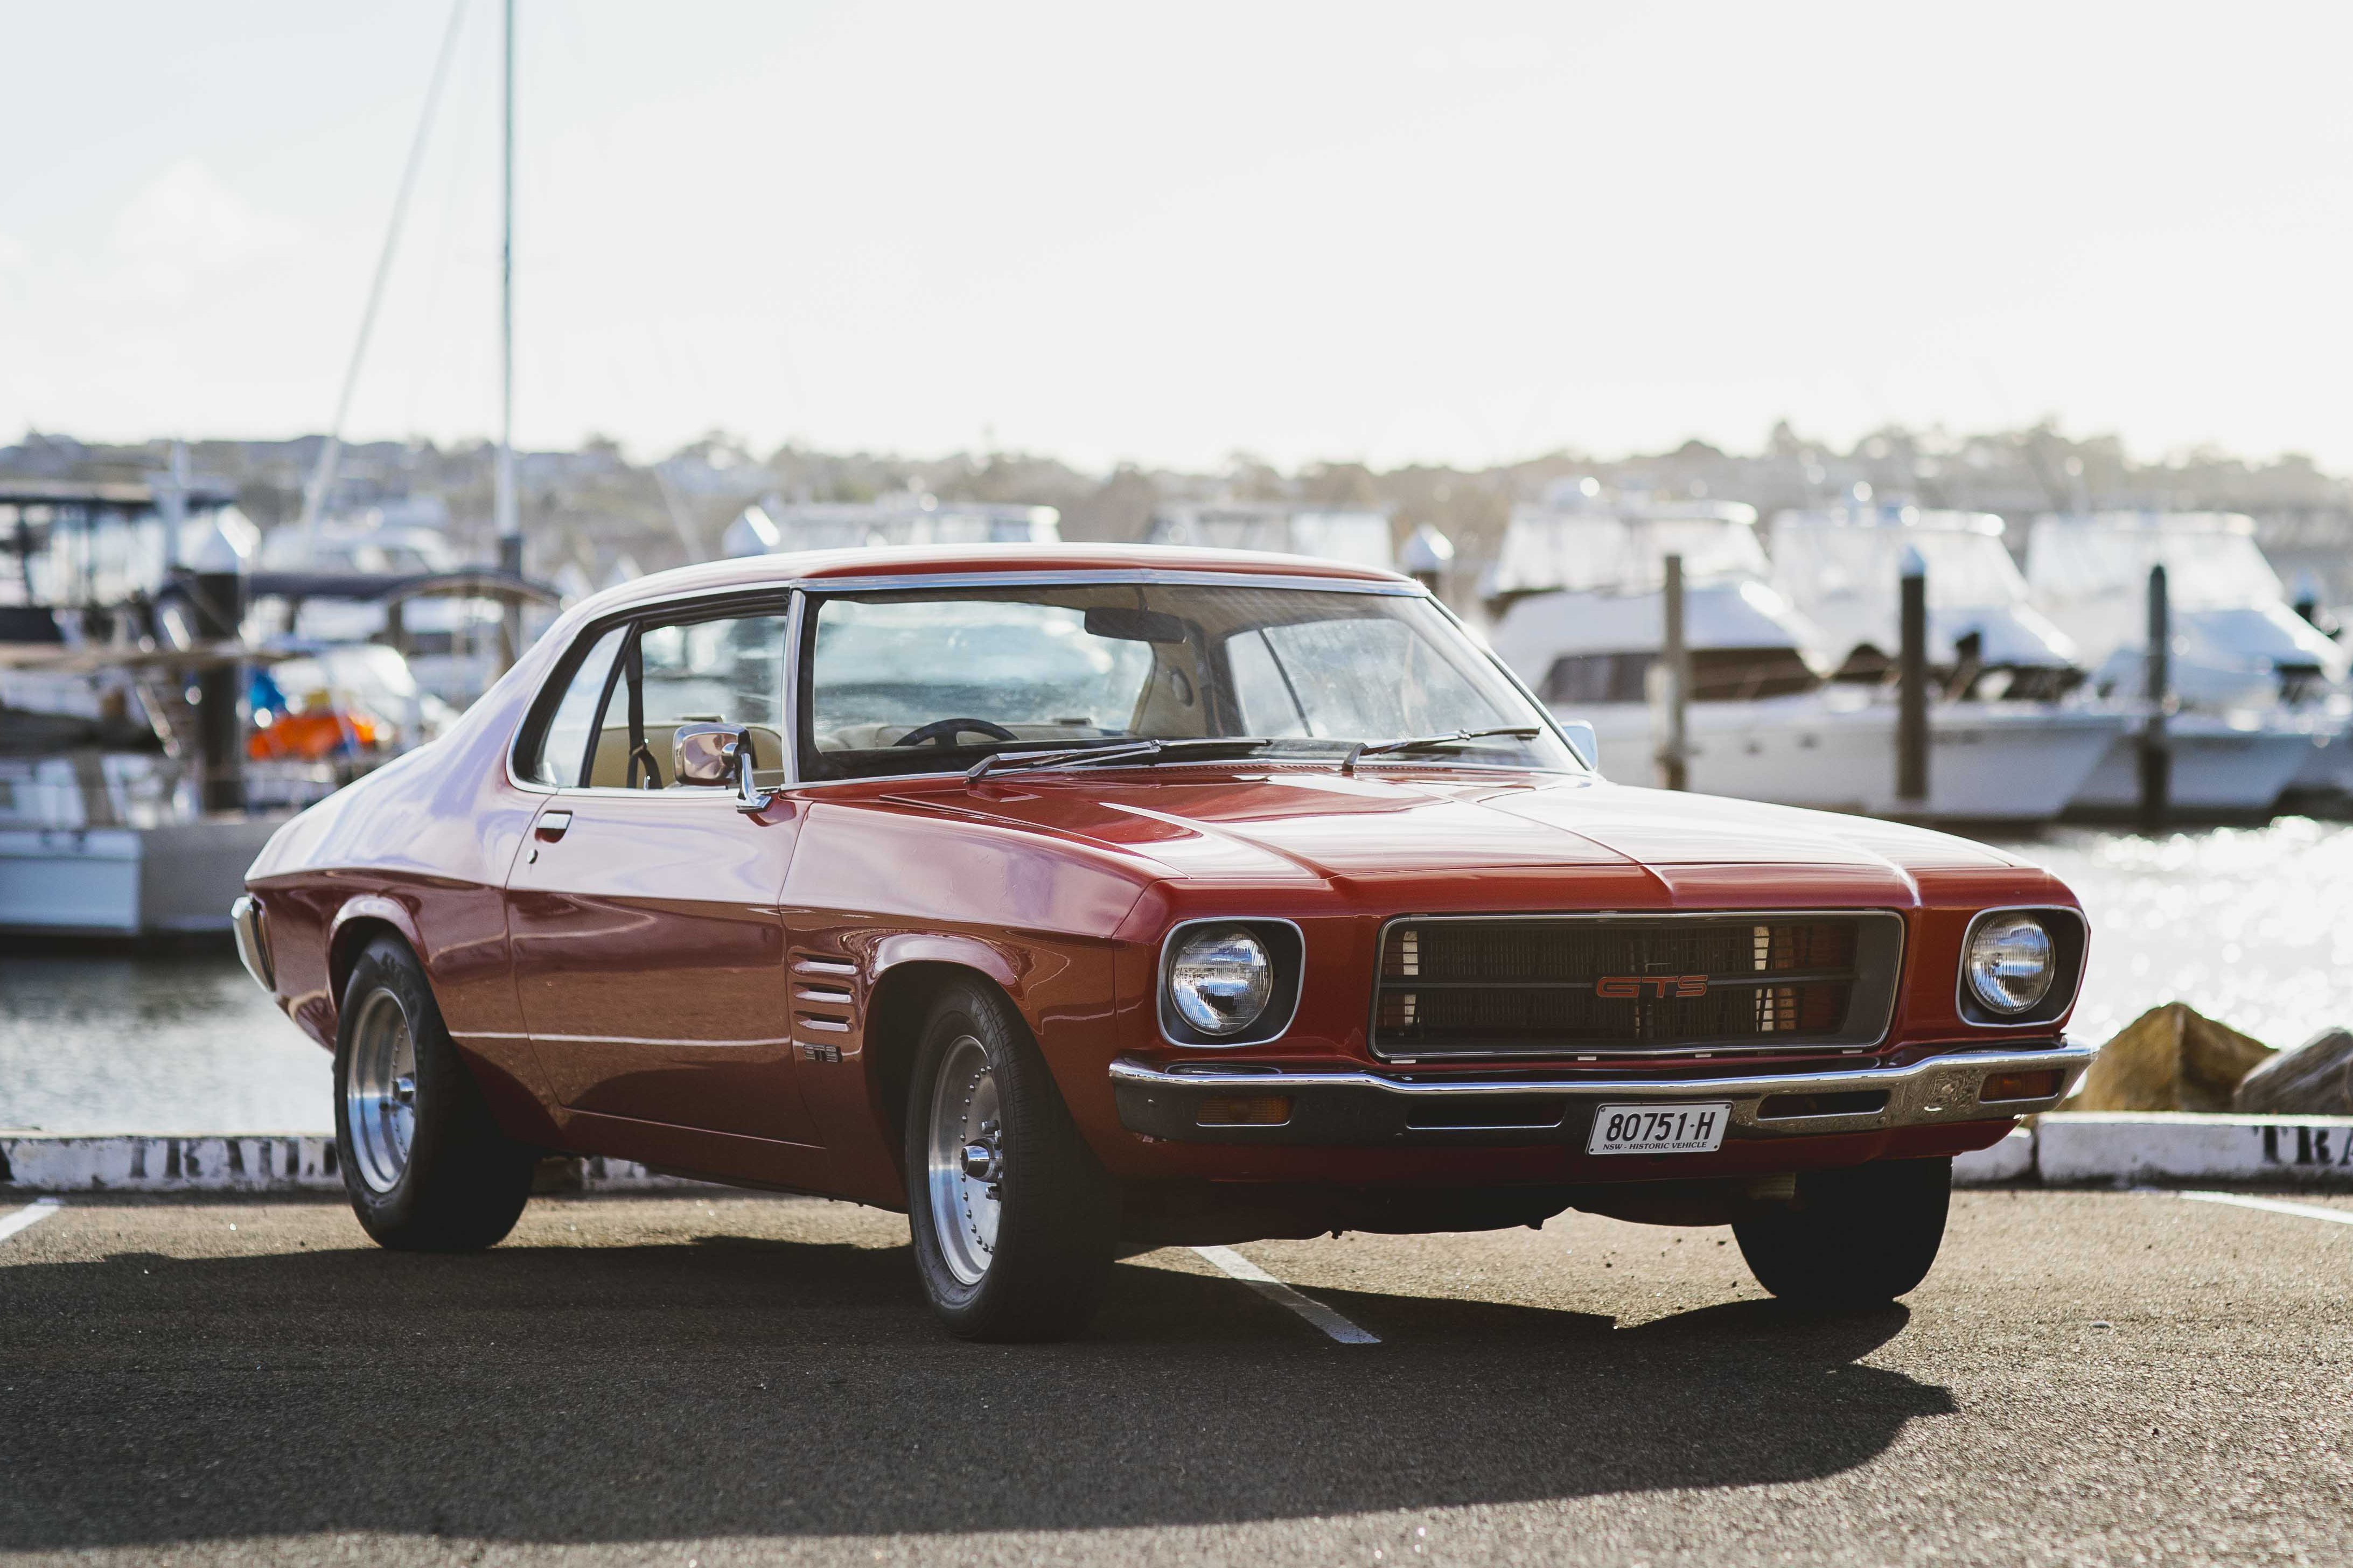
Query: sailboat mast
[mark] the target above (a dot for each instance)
(510, 522)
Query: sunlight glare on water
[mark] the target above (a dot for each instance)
(2251, 926)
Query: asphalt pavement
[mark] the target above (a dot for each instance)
(2086, 1377)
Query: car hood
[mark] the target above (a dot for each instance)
(1287, 823)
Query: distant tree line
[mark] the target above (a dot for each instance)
(593, 506)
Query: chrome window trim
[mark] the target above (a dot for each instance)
(1249, 1037)
(1963, 1005)
(604, 623)
(1739, 1048)
(1047, 577)
(1015, 578)
(1527, 692)
(799, 590)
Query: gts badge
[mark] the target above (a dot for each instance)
(1657, 986)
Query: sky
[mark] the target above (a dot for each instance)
(1164, 233)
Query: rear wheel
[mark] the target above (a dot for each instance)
(423, 1159)
(1012, 1220)
(1858, 1236)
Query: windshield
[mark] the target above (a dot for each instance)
(1588, 553)
(2204, 566)
(1965, 570)
(927, 681)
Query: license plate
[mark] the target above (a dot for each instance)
(1660, 1129)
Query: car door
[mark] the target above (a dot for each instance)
(643, 914)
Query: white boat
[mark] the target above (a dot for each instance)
(1841, 568)
(1763, 721)
(2263, 697)
(103, 828)
(1359, 535)
(908, 518)
(451, 641)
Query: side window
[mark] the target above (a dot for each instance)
(1584, 678)
(724, 671)
(564, 743)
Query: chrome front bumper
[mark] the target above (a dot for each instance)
(1357, 1107)
(244, 918)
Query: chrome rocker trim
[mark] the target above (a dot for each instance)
(1353, 1107)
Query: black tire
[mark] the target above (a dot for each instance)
(462, 1183)
(1858, 1236)
(1056, 1220)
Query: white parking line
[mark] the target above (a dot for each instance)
(32, 1214)
(1273, 1290)
(2273, 1206)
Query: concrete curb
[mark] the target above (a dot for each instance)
(2128, 1149)
(2063, 1149)
(223, 1163)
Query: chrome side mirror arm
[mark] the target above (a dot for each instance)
(749, 798)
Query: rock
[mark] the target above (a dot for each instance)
(2315, 1079)
(2171, 1058)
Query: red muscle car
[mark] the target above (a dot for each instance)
(1073, 900)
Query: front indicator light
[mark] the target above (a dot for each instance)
(1244, 1111)
(2010, 963)
(2019, 1086)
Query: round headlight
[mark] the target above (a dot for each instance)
(2010, 963)
(1221, 979)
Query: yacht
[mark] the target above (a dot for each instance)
(907, 518)
(1359, 535)
(1578, 610)
(2263, 696)
(348, 582)
(121, 809)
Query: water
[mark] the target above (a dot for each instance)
(172, 1039)
(2249, 925)
(2253, 926)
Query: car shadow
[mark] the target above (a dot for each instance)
(729, 1386)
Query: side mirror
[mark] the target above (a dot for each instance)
(717, 756)
(705, 753)
(1584, 741)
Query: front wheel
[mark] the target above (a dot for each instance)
(424, 1161)
(1857, 1237)
(1013, 1222)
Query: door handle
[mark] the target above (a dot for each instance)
(553, 823)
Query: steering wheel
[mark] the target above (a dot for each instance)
(943, 731)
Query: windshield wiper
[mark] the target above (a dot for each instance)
(1432, 743)
(1009, 762)
(1113, 751)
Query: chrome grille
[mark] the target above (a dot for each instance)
(1608, 985)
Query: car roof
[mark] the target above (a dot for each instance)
(820, 568)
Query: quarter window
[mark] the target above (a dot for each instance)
(564, 744)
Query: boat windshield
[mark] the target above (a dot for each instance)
(1589, 553)
(1360, 538)
(1965, 568)
(927, 681)
(2206, 566)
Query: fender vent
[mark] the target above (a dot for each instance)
(825, 1002)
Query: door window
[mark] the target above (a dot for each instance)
(728, 671)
